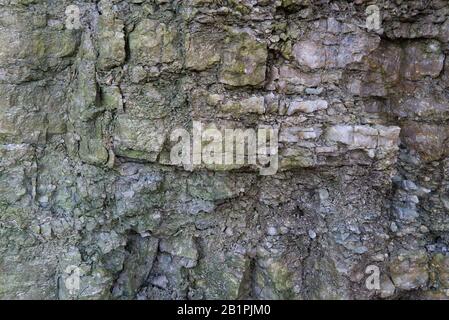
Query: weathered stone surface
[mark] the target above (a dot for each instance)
(424, 108)
(93, 151)
(364, 137)
(136, 267)
(183, 247)
(310, 54)
(440, 262)
(112, 98)
(202, 51)
(306, 106)
(429, 141)
(88, 190)
(151, 42)
(111, 42)
(423, 59)
(249, 105)
(25, 56)
(295, 134)
(244, 60)
(289, 80)
(138, 139)
(409, 271)
(384, 65)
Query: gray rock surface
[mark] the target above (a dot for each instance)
(88, 193)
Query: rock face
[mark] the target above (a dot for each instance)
(92, 207)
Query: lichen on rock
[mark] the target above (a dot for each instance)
(92, 207)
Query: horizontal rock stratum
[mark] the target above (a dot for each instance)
(93, 207)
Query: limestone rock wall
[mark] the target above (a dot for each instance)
(86, 112)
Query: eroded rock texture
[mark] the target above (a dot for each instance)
(86, 179)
